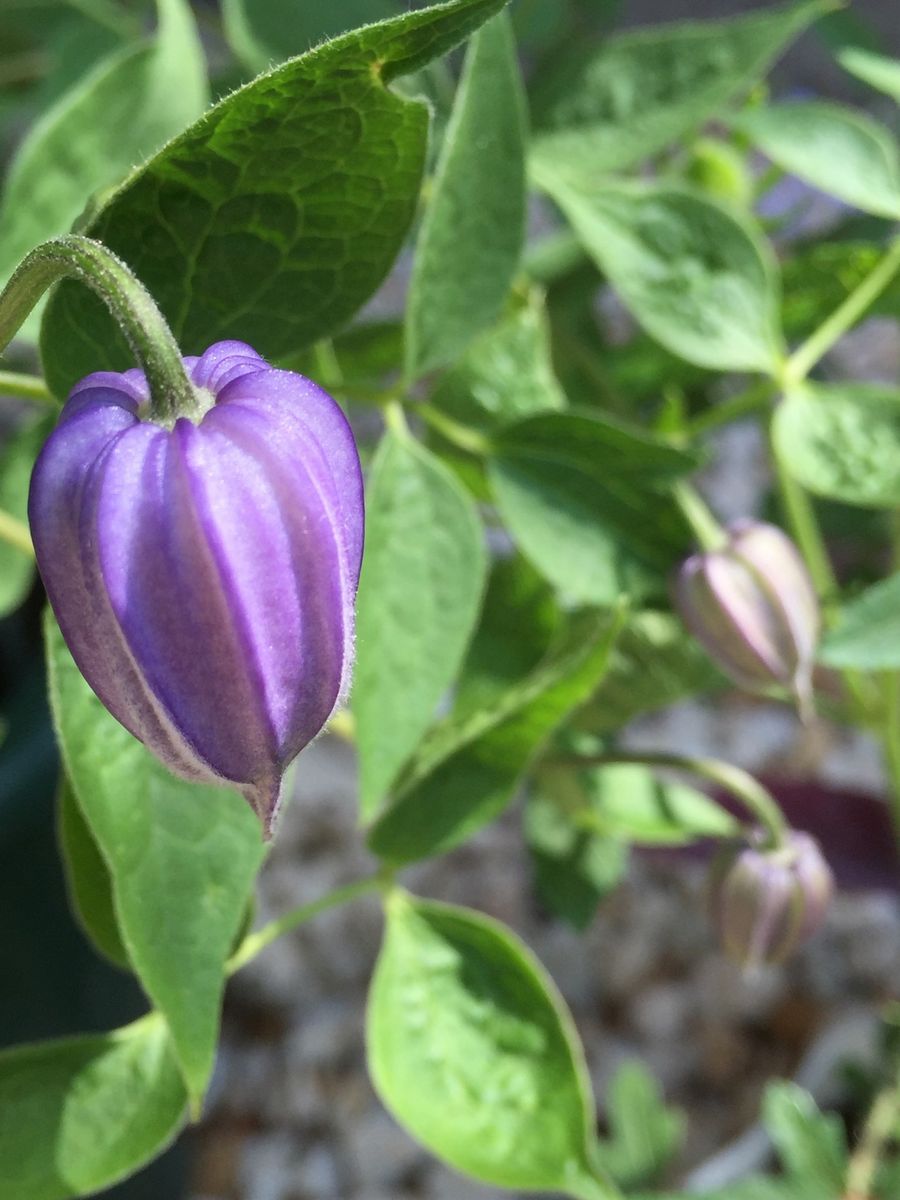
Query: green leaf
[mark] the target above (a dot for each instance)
(645, 89)
(820, 276)
(182, 858)
(519, 619)
(79, 1114)
(644, 1133)
(117, 115)
(472, 1049)
(574, 868)
(88, 879)
(627, 800)
(654, 663)
(261, 31)
(278, 214)
(466, 774)
(695, 275)
(16, 464)
(843, 441)
(471, 236)
(585, 499)
(419, 593)
(836, 149)
(507, 372)
(875, 69)
(811, 1144)
(867, 634)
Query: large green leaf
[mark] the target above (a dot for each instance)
(81, 1113)
(182, 858)
(472, 1049)
(467, 773)
(843, 441)
(644, 89)
(867, 634)
(840, 151)
(471, 236)
(507, 372)
(87, 878)
(262, 30)
(278, 214)
(16, 463)
(117, 115)
(419, 593)
(696, 276)
(585, 499)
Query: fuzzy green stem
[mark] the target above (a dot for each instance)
(256, 942)
(459, 435)
(26, 387)
(844, 317)
(755, 398)
(171, 392)
(758, 801)
(15, 533)
(707, 530)
(883, 1119)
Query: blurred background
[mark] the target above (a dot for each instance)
(291, 1115)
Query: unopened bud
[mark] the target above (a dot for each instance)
(753, 607)
(767, 902)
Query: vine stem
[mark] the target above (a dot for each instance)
(26, 387)
(879, 1126)
(15, 533)
(256, 942)
(707, 530)
(844, 317)
(171, 392)
(758, 801)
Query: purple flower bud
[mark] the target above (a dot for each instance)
(204, 575)
(753, 607)
(766, 902)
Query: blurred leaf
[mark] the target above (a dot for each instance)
(644, 1133)
(838, 150)
(819, 276)
(875, 69)
(116, 116)
(654, 662)
(519, 619)
(584, 497)
(182, 858)
(695, 275)
(16, 463)
(472, 1049)
(811, 1144)
(474, 225)
(843, 441)
(642, 90)
(289, 200)
(82, 1113)
(420, 590)
(87, 878)
(506, 373)
(574, 868)
(867, 633)
(265, 31)
(467, 772)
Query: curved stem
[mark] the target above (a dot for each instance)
(15, 533)
(459, 435)
(132, 306)
(758, 801)
(706, 529)
(844, 317)
(754, 399)
(25, 387)
(256, 942)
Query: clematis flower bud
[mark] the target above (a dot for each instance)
(753, 607)
(204, 575)
(766, 902)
